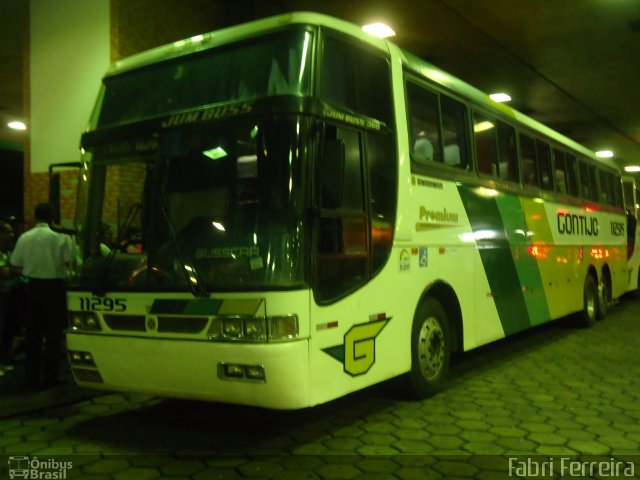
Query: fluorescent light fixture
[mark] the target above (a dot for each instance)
(379, 30)
(500, 97)
(604, 154)
(215, 153)
(632, 168)
(16, 125)
(482, 126)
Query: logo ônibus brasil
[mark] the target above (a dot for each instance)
(33, 468)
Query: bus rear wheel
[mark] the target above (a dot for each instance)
(590, 306)
(430, 348)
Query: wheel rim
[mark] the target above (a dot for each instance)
(591, 302)
(431, 348)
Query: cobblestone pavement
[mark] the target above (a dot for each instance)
(556, 391)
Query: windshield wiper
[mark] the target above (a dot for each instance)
(198, 287)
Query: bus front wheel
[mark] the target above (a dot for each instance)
(430, 348)
(590, 306)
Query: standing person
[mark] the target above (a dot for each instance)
(42, 255)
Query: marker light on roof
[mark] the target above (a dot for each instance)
(500, 97)
(604, 154)
(379, 30)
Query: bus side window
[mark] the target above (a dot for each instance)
(508, 165)
(572, 180)
(485, 138)
(454, 133)
(423, 121)
(611, 178)
(585, 185)
(593, 179)
(356, 78)
(528, 161)
(543, 156)
(629, 203)
(604, 187)
(560, 167)
(383, 188)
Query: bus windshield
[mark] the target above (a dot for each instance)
(278, 64)
(211, 209)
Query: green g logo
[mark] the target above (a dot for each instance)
(358, 353)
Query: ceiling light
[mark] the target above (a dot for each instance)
(500, 97)
(632, 168)
(17, 125)
(604, 154)
(379, 30)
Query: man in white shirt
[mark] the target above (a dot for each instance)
(43, 255)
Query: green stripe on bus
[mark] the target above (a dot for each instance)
(530, 280)
(499, 266)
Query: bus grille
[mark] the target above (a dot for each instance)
(86, 375)
(130, 323)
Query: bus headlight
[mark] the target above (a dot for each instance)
(84, 321)
(254, 329)
(232, 327)
(283, 328)
(81, 358)
(75, 320)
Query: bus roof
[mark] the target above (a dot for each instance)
(419, 66)
(239, 32)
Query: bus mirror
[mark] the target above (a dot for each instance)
(331, 173)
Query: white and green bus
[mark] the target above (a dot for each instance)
(283, 212)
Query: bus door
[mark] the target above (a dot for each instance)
(632, 212)
(630, 190)
(340, 262)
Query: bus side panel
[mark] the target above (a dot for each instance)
(444, 226)
(364, 338)
(583, 237)
(559, 261)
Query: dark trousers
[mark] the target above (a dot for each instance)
(13, 319)
(46, 319)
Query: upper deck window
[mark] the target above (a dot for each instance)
(278, 64)
(356, 79)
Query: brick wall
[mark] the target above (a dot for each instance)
(144, 24)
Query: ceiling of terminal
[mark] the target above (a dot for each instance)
(571, 64)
